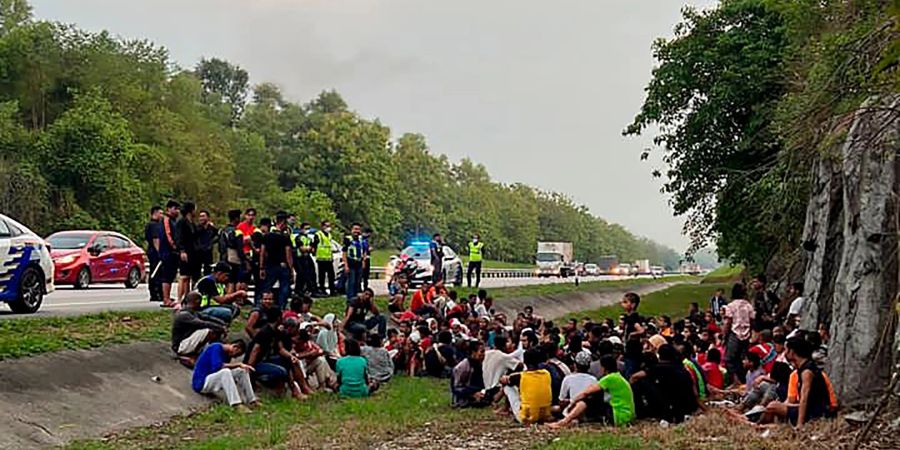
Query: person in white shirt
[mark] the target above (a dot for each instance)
(576, 382)
(793, 315)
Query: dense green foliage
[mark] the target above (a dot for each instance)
(745, 97)
(94, 130)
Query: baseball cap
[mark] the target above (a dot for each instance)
(583, 358)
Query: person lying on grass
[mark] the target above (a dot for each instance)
(610, 400)
(215, 374)
(192, 332)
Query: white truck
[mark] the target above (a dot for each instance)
(643, 266)
(555, 259)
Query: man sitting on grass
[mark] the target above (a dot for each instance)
(529, 393)
(467, 382)
(214, 373)
(214, 302)
(191, 332)
(592, 402)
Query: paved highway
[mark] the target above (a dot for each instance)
(67, 301)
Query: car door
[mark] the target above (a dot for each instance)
(451, 265)
(120, 250)
(6, 265)
(102, 259)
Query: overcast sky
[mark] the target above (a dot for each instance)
(538, 91)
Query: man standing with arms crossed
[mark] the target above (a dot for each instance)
(166, 247)
(476, 255)
(276, 260)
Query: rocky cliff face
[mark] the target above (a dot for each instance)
(851, 238)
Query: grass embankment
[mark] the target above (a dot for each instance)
(725, 274)
(673, 302)
(414, 413)
(32, 336)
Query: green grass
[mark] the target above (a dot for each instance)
(725, 274)
(673, 302)
(380, 258)
(324, 420)
(595, 440)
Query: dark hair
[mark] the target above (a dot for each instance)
(575, 343)
(436, 235)
(633, 298)
(753, 358)
(302, 334)
(798, 286)
(351, 348)
(738, 291)
(265, 222)
(781, 372)
(204, 211)
(154, 209)
(234, 215)
(223, 267)
(533, 358)
(445, 337)
(280, 216)
(500, 342)
(609, 364)
(250, 211)
(453, 295)
(369, 291)
(482, 293)
(172, 204)
(355, 224)
(368, 230)
(374, 340)
(550, 349)
(240, 344)
(304, 224)
(714, 355)
(667, 353)
(188, 208)
(474, 346)
(762, 278)
(393, 332)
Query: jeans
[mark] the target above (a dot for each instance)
(378, 322)
(734, 353)
(281, 275)
(154, 283)
(474, 266)
(225, 313)
(271, 373)
(354, 279)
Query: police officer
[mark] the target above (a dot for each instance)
(476, 256)
(151, 232)
(352, 252)
(324, 261)
(306, 265)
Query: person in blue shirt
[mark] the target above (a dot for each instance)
(215, 374)
(151, 233)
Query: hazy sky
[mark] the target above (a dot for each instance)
(538, 91)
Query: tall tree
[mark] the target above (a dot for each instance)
(224, 82)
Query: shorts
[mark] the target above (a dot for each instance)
(169, 269)
(190, 268)
(811, 414)
(598, 410)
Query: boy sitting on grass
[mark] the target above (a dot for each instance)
(214, 373)
(530, 393)
(592, 403)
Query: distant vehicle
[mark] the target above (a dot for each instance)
(608, 264)
(591, 269)
(642, 266)
(84, 257)
(26, 268)
(555, 259)
(657, 271)
(420, 252)
(690, 268)
(624, 269)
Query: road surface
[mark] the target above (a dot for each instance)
(67, 301)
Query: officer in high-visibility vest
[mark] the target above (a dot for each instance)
(214, 302)
(306, 265)
(476, 255)
(324, 258)
(353, 252)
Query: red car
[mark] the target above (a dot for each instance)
(85, 257)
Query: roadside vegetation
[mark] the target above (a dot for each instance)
(35, 335)
(673, 302)
(725, 274)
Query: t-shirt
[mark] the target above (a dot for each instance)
(186, 236)
(796, 306)
(267, 339)
(676, 391)
(208, 287)
(631, 320)
(619, 397)
(275, 242)
(575, 384)
(714, 375)
(740, 312)
(381, 367)
(418, 301)
(246, 230)
(151, 232)
(351, 370)
(360, 309)
(166, 240)
(210, 361)
(437, 252)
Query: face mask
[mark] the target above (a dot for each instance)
(474, 239)
(327, 229)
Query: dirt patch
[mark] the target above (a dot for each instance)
(490, 434)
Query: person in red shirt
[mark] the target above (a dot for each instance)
(247, 228)
(421, 302)
(712, 369)
(766, 350)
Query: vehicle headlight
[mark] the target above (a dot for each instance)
(66, 259)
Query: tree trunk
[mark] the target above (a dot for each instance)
(863, 311)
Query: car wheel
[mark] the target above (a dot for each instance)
(83, 280)
(31, 292)
(134, 278)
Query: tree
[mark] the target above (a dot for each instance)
(224, 82)
(13, 13)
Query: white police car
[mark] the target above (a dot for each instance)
(26, 269)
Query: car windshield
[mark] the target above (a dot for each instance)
(549, 257)
(418, 252)
(69, 241)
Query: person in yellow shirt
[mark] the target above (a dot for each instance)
(529, 392)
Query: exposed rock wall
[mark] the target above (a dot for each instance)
(851, 233)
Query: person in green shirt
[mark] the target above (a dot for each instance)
(610, 400)
(353, 372)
